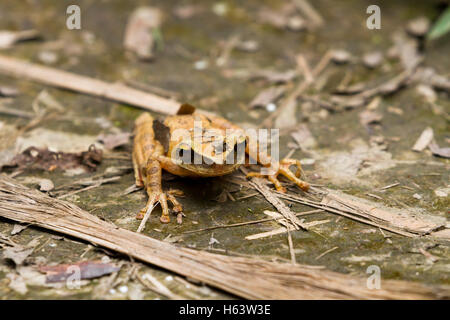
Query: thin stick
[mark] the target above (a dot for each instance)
(146, 216)
(326, 252)
(342, 213)
(251, 222)
(301, 87)
(67, 80)
(311, 14)
(291, 245)
(390, 186)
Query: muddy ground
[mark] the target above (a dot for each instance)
(186, 65)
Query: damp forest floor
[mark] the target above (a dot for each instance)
(186, 67)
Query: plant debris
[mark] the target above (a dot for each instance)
(267, 96)
(438, 151)
(112, 141)
(424, 140)
(143, 33)
(83, 269)
(44, 159)
(224, 272)
(9, 38)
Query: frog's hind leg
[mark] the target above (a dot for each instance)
(147, 167)
(285, 171)
(154, 190)
(137, 171)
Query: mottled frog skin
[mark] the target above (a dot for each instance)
(195, 145)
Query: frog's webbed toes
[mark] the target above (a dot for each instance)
(162, 198)
(283, 169)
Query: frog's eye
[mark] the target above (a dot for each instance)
(220, 147)
(186, 155)
(240, 145)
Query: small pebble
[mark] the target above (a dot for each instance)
(341, 56)
(169, 278)
(48, 57)
(271, 107)
(220, 8)
(201, 65)
(307, 161)
(373, 59)
(123, 289)
(296, 23)
(417, 196)
(46, 185)
(418, 27)
(248, 46)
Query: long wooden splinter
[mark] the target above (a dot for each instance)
(250, 278)
(71, 81)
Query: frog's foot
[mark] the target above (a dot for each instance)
(162, 198)
(283, 169)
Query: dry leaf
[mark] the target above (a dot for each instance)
(47, 160)
(424, 140)
(304, 138)
(111, 141)
(369, 117)
(17, 283)
(438, 151)
(17, 228)
(288, 115)
(9, 38)
(373, 59)
(46, 185)
(17, 254)
(140, 31)
(6, 91)
(85, 269)
(268, 95)
(418, 27)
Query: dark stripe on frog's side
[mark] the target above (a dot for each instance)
(162, 134)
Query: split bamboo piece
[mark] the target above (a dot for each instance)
(250, 278)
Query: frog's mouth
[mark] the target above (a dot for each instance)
(218, 164)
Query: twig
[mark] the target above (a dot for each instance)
(301, 87)
(96, 185)
(390, 186)
(67, 80)
(284, 229)
(272, 197)
(291, 246)
(311, 14)
(326, 252)
(250, 222)
(342, 213)
(146, 216)
(156, 286)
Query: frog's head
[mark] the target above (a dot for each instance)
(210, 152)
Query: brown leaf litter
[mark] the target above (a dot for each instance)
(83, 269)
(44, 159)
(142, 30)
(10, 38)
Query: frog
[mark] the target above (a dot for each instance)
(196, 145)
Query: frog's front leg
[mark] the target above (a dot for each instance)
(273, 168)
(148, 169)
(283, 168)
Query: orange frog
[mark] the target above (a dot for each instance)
(195, 145)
